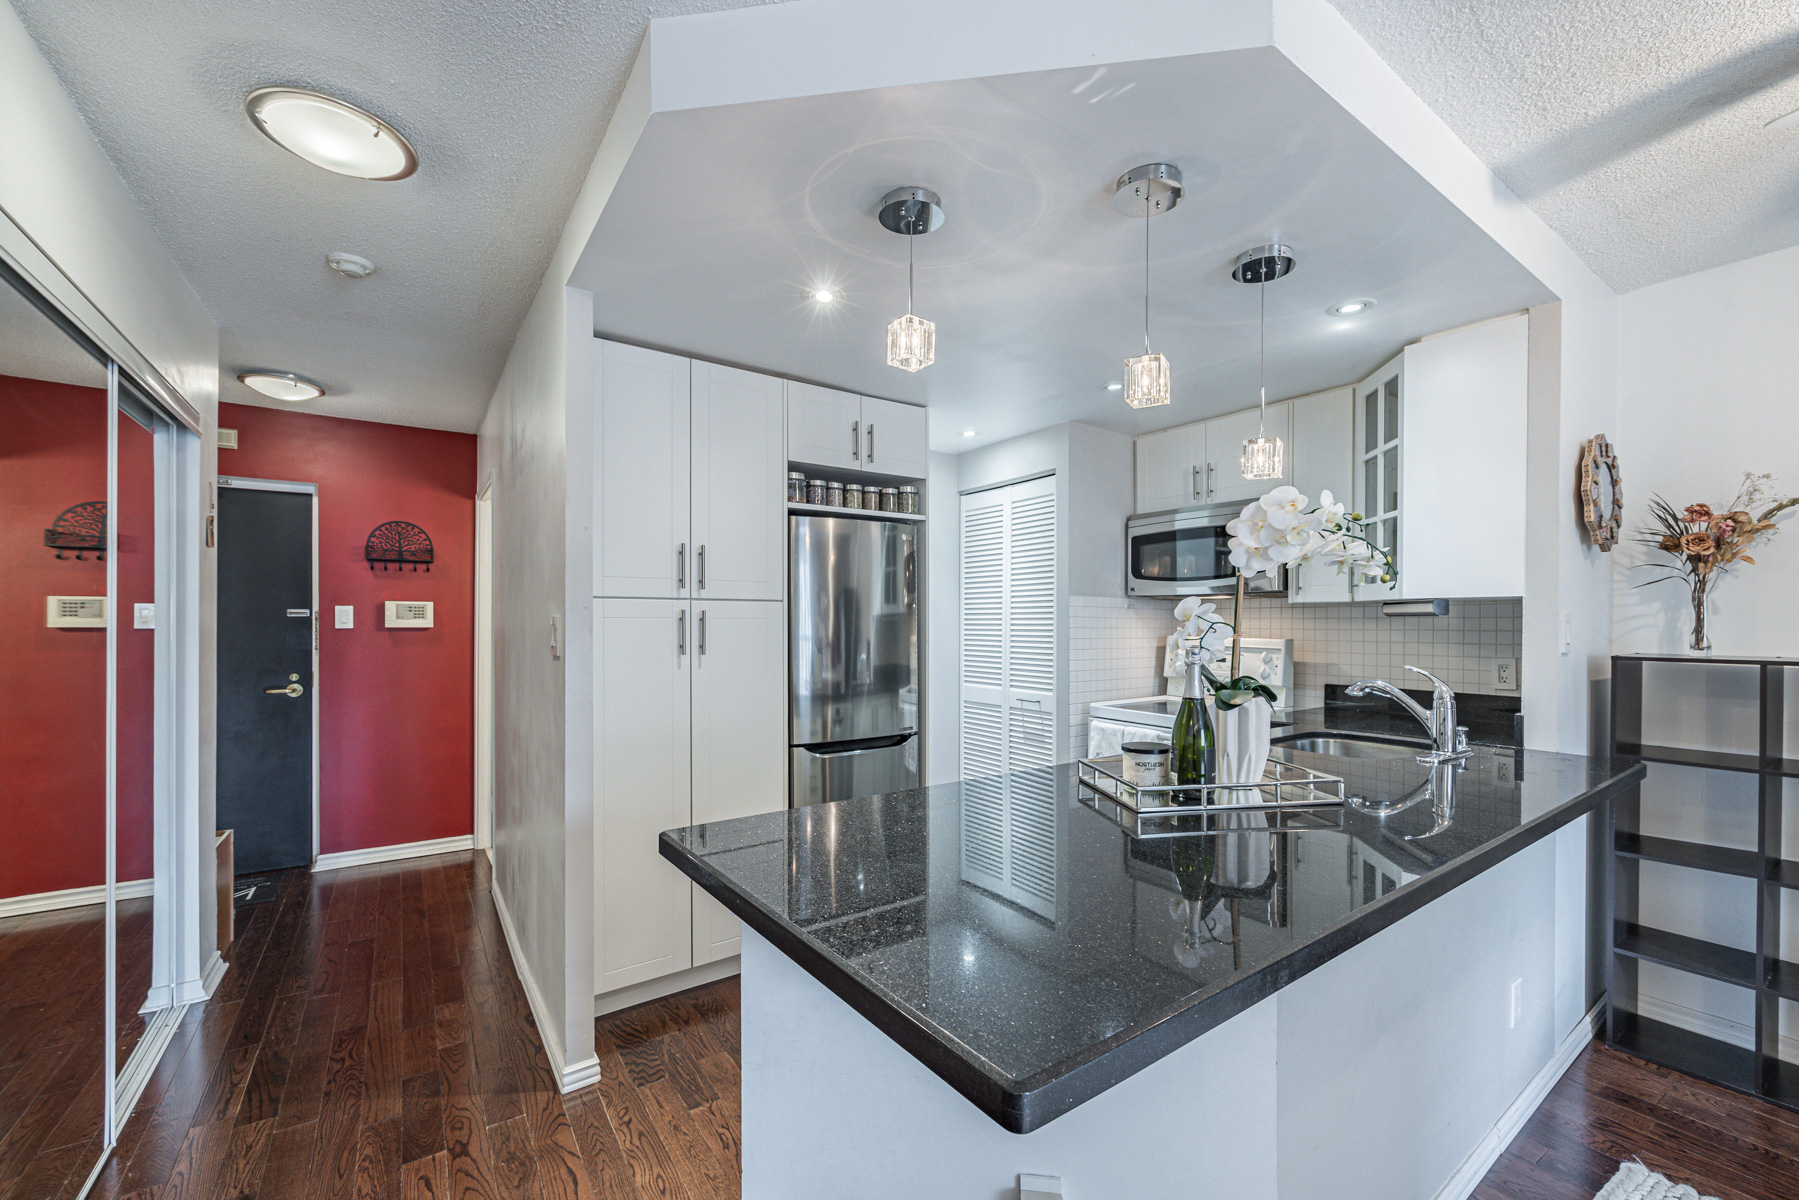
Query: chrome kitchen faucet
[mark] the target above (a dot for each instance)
(1449, 741)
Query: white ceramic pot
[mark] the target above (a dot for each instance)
(1243, 735)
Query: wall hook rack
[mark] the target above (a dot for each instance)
(80, 527)
(399, 543)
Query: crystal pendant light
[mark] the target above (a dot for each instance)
(1147, 190)
(911, 340)
(1264, 457)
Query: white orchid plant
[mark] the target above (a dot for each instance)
(1278, 530)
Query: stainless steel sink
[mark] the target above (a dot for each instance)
(1344, 747)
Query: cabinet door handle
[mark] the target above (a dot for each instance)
(700, 564)
(702, 631)
(1209, 487)
(871, 443)
(856, 440)
(1198, 488)
(681, 565)
(681, 632)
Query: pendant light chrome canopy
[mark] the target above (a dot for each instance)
(911, 340)
(1147, 191)
(1264, 457)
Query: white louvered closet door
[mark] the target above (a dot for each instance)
(1009, 700)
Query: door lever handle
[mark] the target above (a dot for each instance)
(292, 689)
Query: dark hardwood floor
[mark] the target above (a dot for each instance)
(1610, 1107)
(372, 1040)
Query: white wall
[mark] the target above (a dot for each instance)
(68, 223)
(942, 622)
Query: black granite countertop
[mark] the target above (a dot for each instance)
(1033, 954)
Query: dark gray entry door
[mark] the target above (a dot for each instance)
(265, 676)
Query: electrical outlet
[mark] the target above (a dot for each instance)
(1505, 674)
(1517, 1001)
(346, 616)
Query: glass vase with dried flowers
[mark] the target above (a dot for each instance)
(1705, 543)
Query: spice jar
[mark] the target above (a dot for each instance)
(852, 495)
(908, 499)
(834, 494)
(815, 491)
(890, 500)
(796, 487)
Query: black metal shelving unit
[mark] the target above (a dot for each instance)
(1761, 971)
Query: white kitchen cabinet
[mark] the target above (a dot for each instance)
(641, 494)
(895, 438)
(841, 431)
(1379, 462)
(1170, 464)
(739, 736)
(1323, 444)
(824, 427)
(739, 524)
(1224, 454)
(642, 745)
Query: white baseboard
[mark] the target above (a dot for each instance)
(570, 1076)
(208, 981)
(130, 889)
(665, 985)
(1474, 1168)
(156, 999)
(339, 859)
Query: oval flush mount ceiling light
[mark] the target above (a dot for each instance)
(281, 385)
(824, 296)
(331, 134)
(1350, 308)
(1787, 121)
(350, 266)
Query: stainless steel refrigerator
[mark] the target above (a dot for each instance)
(853, 682)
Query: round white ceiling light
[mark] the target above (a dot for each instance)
(1114, 386)
(350, 266)
(825, 296)
(968, 433)
(281, 385)
(1350, 308)
(1785, 121)
(331, 134)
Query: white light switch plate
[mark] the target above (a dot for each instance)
(346, 616)
(143, 616)
(1039, 1187)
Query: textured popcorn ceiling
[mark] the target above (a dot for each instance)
(505, 103)
(1633, 127)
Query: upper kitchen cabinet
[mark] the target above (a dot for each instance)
(641, 492)
(1202, 463)
(1463, 405)
(845, 432)
(688, 494)
(895, 438)
(1318, 457)
(739, 489)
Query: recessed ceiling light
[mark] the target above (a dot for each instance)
(824, 296)
(968, 433)
(1114, 387)
(1789, 121)
(331, 134)
(281, 385)
(350, 266)
(1350, 308)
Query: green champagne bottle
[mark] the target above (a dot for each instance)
(1195, 746)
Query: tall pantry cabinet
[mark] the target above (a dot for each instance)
(690, 642)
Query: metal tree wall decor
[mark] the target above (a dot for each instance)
(81, 527)
(399, 543)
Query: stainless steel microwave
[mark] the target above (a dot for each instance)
(1186, 552)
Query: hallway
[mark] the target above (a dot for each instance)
(371, 1039)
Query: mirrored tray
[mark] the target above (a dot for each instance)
(1283, 787)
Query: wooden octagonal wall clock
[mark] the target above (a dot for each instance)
(1601, 494)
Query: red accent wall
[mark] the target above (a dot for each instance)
(52, 681)
(396, 707)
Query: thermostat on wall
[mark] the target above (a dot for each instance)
(411, 614)
(75, 612)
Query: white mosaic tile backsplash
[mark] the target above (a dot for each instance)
(1114, 647)
(1341, 643)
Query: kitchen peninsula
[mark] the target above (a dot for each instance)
(930, 974)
